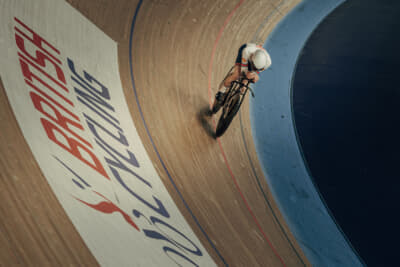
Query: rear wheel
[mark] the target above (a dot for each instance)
(228, 113)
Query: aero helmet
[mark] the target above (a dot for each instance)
(261, 59)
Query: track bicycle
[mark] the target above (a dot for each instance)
(231, 103)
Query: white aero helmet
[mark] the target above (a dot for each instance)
(261, 59)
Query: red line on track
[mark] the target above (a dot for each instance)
(219, 141)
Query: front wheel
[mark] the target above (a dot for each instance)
(228, 113)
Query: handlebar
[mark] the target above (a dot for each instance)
(249, 80)
(240, 82)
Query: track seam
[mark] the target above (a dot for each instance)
(151, 139)
(219, 141)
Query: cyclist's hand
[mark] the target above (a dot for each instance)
(252, 76)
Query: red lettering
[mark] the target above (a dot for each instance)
(30, 76)
(37, 40)
(43, 72)
(52, 100)
(73, 146)
(60, 119)
(42, 54)
(40, 58)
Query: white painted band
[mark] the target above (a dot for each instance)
(61, 77)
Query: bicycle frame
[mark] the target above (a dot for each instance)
(235, 88)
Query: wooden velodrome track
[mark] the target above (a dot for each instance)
(180, 51)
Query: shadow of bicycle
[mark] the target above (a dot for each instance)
(205, 118)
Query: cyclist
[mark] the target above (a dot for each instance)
(251, 60)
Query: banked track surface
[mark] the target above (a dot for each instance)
(180, 50)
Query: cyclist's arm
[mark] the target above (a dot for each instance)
(235, 75)
(252, 76)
